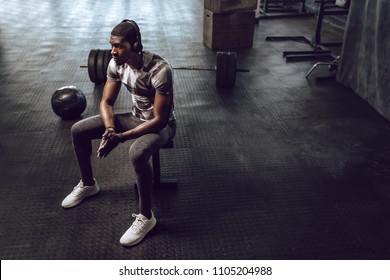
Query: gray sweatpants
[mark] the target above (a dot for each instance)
(140, 150)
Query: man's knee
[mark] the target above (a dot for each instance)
(139, 155)
(87, 128)
(76, 129)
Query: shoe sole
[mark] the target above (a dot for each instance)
(79, 201)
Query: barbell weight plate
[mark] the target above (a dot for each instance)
(219, 70)
(226, 70)
(107, 59)
(231, 70)
(92, 66)
(100, 67)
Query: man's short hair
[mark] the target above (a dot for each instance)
(126, 30)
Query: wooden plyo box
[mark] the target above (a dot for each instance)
(229, 6)
(228, 31)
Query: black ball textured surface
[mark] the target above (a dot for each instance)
(68, 102)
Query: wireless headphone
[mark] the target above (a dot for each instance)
(137, 46)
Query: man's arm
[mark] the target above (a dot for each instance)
(161, 111)
(110, 93)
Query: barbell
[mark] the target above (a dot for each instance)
(225, 69)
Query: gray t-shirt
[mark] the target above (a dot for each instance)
(155, 76)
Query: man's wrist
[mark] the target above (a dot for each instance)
(122, 137)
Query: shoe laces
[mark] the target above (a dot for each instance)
(139, 224)
(78, 189)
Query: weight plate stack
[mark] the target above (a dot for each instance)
(100, 66)
(98, 61)
(226, 69)
(92, 66)
(107, 58)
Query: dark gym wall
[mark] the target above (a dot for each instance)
(366, 53)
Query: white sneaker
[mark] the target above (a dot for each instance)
(140, 227)
(79, 193)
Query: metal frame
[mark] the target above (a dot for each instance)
(271, 9)
(326, 7)
(332, 65)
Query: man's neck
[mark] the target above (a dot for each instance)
(136, 61)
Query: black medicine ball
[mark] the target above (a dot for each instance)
(68, 102)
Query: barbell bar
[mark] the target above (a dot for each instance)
(225, 69)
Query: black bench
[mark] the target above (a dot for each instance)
(159, 182)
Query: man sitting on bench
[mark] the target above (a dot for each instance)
(151, 122)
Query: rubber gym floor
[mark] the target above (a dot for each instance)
(279, 167)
